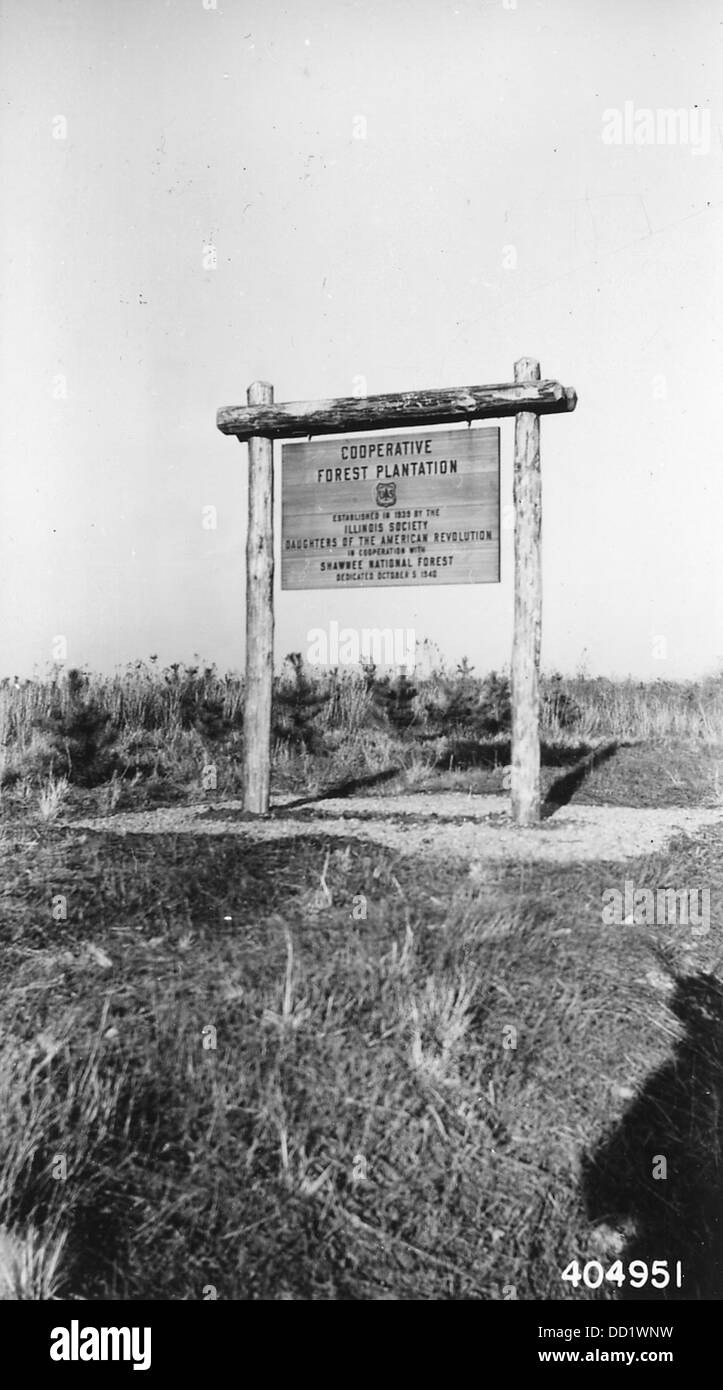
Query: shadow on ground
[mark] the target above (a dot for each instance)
(678, 1119)
(338, 789)
(563, 789)
(492, 754)
(579, 758)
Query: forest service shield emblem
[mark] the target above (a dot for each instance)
(386, 494)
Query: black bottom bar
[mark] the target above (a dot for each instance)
(254, 1341)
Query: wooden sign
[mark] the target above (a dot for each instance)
(384, 510)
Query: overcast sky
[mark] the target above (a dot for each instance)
(413, 192)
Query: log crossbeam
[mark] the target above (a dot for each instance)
(347, 414)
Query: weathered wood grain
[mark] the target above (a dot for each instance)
(259, 615)
(297, 419)
(437, 522)
(525, 682)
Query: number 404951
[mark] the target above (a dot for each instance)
(637, 1274)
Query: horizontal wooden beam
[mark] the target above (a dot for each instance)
(297, 419)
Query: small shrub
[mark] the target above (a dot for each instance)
(297, 701)
(394, 699)
(52, 796)
(30, 760)
(197, 700)
(471, 707)
(494, 713)
(559, 709)
(79, 730)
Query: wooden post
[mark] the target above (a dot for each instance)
(527, 495)
(259, 614)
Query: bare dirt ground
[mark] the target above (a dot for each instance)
(445, 826)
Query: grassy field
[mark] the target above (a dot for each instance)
(305, 1070)
(147, 734)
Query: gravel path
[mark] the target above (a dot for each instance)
(445, 825)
